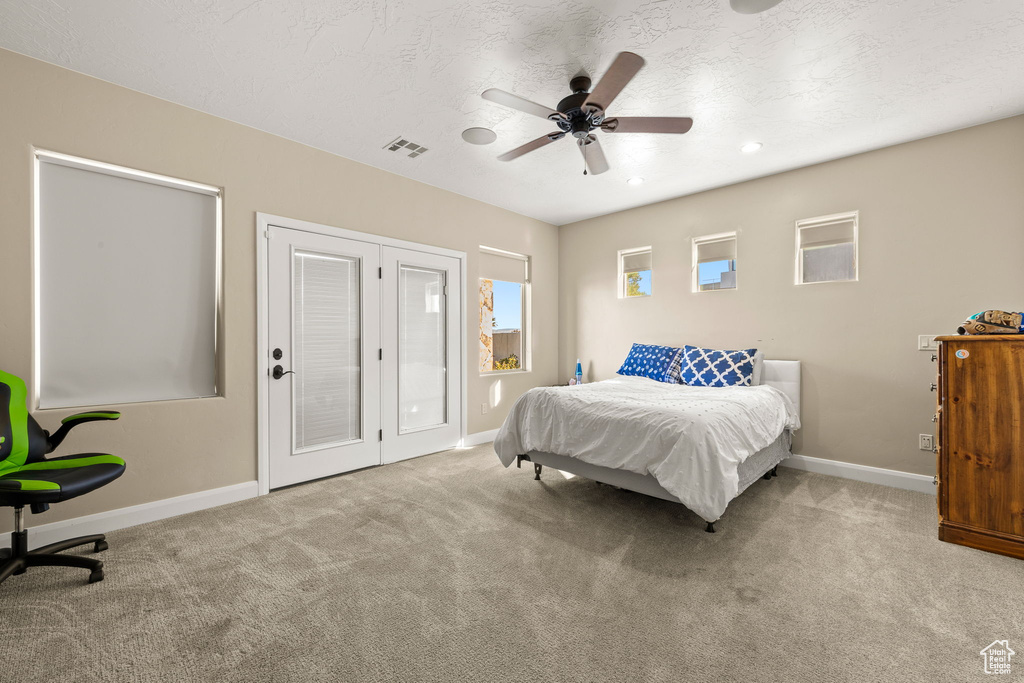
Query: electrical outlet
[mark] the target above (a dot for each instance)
(926, 342)
(926, 442)
(484, 408)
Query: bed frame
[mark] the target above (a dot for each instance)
(784, 375)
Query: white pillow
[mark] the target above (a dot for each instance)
(755, 380)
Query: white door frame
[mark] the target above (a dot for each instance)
(263, 223)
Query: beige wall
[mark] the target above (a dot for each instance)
(942, 237)
(180, 447)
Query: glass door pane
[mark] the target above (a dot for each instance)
(326, 352)
(422, 350)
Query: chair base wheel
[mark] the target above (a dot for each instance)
(19, 559)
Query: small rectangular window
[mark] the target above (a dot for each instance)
(504, 307)
(826, 249)
(714, 262)
(635, 272)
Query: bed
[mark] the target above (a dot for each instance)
(698, 446)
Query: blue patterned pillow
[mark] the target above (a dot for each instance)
(659, 363)
(712, 368)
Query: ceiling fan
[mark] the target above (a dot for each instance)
(583, 112)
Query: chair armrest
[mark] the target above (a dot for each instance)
(72, 421)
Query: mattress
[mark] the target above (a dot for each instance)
(692, 440)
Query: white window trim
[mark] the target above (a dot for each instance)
(819, 221)
(623, 253)
(526, 362)
(711, 239)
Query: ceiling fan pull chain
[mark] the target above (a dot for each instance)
(584, 157)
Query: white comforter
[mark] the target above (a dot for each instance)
(691, 439)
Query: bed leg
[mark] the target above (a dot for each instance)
(536, 471)
(767, 475)
(775, 471)
(710, 528)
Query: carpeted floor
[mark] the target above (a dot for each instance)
(451, 568)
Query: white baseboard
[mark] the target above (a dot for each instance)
(921, 483)
(102, 522)
(479, 438)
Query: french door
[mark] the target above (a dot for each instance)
(324, 310)
(364, 354)
(421, 375)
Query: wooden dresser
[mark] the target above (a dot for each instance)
(981, 442)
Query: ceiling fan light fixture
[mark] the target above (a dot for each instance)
(479, 136)
(751, 147)
(635, 180)
(752, 6)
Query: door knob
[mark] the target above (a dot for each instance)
(280, 372)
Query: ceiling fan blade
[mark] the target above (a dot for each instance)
(593, 155)
(619, 74)
(531, 145)
(647, 124)
(507, 99)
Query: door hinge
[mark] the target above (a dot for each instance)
(380, 435)
(380, 272)
(266, 233)
(380, 354)
(446, 290)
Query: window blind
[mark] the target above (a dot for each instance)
(637, 262)
(723, 249)
(326, 350)
(820, 235)
(128, 285)
(506, 266)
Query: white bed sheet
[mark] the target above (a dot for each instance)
(691, 439)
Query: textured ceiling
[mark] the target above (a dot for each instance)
(811, 79)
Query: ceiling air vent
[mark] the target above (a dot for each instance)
(400, 144)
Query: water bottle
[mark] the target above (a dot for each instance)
(579, 372)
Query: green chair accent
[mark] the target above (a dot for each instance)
(28, 478)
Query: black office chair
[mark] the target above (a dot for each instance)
(27, 478)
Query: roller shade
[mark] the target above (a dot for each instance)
(128, 285)
(504, 265)
(723, 249)
(636, 262)
(824, 234)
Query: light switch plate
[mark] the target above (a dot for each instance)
(926, 342)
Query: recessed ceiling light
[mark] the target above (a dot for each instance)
(752, 6)
(635, 181)
(751, 147)
(479, 136)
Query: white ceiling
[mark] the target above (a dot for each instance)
(811, 79)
